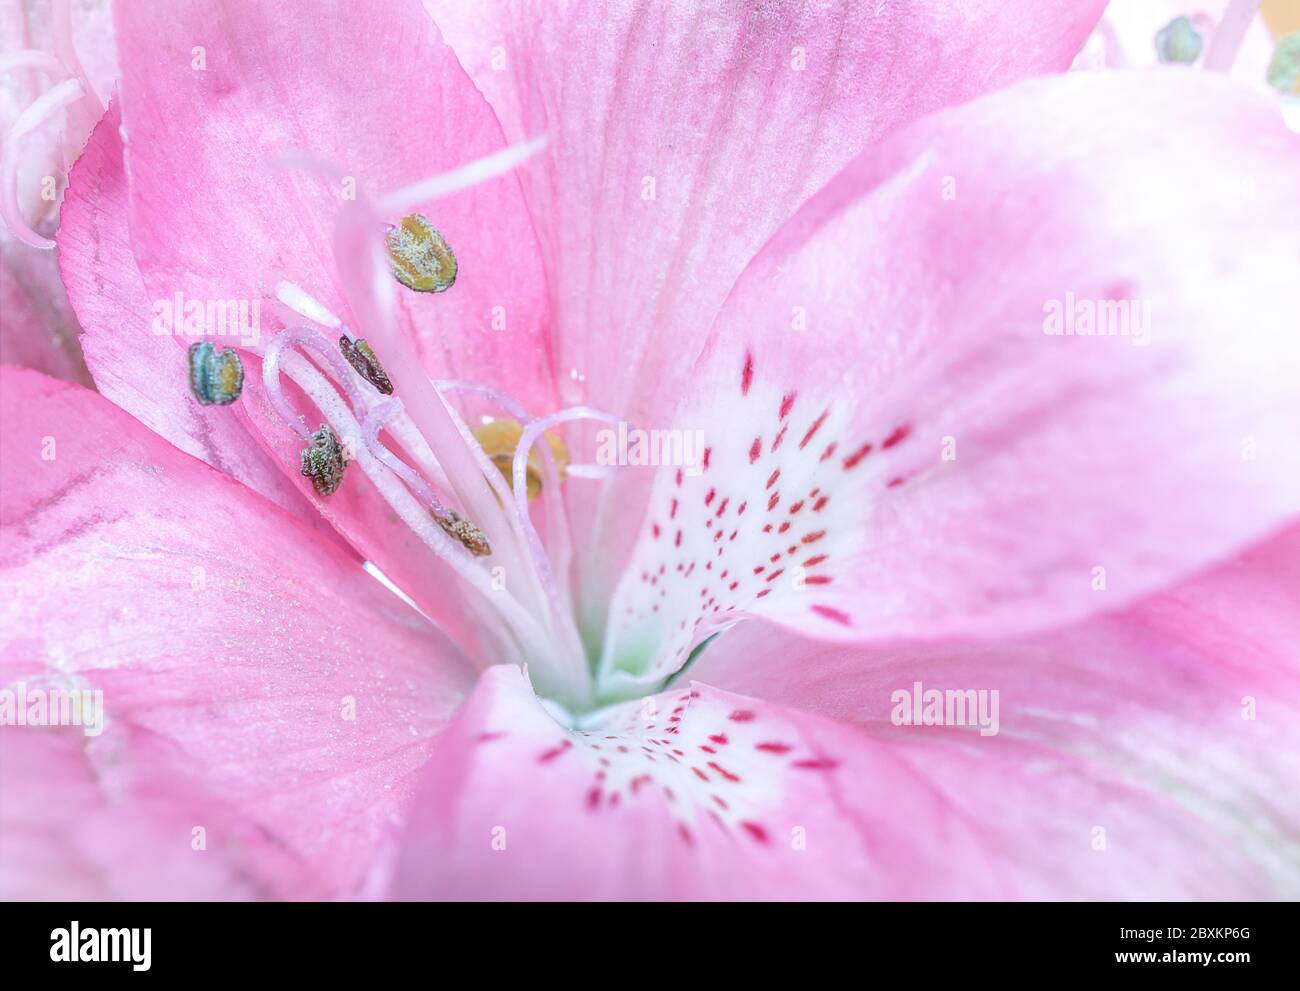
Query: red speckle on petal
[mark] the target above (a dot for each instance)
(742, 716)
(774, 748)
(747, 374)
(554, 752)
(813, 429)
(856, 457)
(899, 434)
(816, 764)
(787, 401)
(723, 771)
(833, 614)
(756, 831)
(755, 449)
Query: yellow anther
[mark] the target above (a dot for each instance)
(500, 438)
(422, 258)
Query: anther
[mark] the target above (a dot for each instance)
(215, 378)
(362, 357)
(1284, 67)
(1178, 41)
(324, 461)
(499, 440)
(421, 258)
(459, 528)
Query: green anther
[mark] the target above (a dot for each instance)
(362, 357)
(422, 259)
(1284, 67)
(215, 378)
(1179, 41)
(324, 461)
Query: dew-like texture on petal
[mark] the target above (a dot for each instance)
(684, 132)
(368, 90)
(1181, 709)
(256, 681)
(925, 458)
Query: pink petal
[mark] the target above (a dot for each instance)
(1136, 723)
(142, 371)
(736, 113)
(924, 459)
(229, 641)
(705, 795)
(366, 88)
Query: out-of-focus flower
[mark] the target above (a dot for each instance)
(950, 389)
(57, 68)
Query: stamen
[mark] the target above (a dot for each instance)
(1284, 66)
(468, 175)
(306, 305)
(215, 378)
(530, 435)
(37, 113)
(421, 257)
(455, 525)
(500, 439)
(1179, 41)
(33, 58)
(1230, 34)
(66, 49)
(452, 523)
(271, 373)
(324, 461)
(361, 357)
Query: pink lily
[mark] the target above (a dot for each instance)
(817, 236)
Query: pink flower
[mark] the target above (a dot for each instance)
(995, 394)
